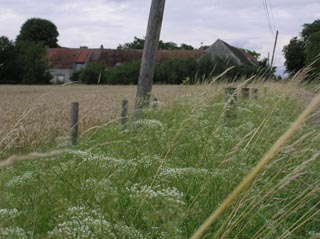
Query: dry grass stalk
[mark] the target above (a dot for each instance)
(263, 162)
(14, 158)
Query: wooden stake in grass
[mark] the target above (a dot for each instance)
(154, 103)
(74, 122)
(230, 92)
(254, 93)
(258, 168)
(124, 114)
(148, 62)
(230, 98)
(245, 93)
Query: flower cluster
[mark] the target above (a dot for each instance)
(22, 180)
(183, 172)
(81, 223)
(12, 232)
(6, 213)
(167, 194)
(151, 123)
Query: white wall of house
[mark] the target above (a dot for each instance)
(61, 75)
(78, 66)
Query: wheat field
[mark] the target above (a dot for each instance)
(31, 115)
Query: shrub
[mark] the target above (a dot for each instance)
(94, 73)
(124, 74)
(175, 71)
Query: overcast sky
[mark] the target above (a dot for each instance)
(242, 23)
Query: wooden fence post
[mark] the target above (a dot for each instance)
(124, 114)
(245, 93)
(230, 99)
(254, 93)
(74, 122)
(154, 103)
(230, 92)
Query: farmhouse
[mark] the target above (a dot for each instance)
(224, 50)
(64, 61)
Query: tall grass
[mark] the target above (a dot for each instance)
(165, 175)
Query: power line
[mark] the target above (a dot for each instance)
(266, 9)
(272, 16)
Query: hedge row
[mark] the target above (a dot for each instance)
(175, 71)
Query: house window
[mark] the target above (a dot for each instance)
(60, 78)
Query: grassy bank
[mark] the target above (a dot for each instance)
(164, 175)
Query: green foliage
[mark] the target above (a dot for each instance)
(176, 71)
(10, 69)
(33, 59)
(165, 176)
(94, 73)
(124, 74)
(138, 43)
(252, 53)
(184, 46)
(313, 49)
(301, 52)
(310, 28)
(38, 30)
(294, 54)
(25, 61)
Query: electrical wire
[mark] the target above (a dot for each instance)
(266, 9)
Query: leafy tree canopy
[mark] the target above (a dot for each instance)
(252, 53)
(138, 43)
(310, 28)
(10, 70)
(39, 31)
(304, 50)
(294, 54)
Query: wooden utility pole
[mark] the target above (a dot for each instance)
(274, 48)
(148, 62)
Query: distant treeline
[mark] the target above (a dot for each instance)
(175, 71)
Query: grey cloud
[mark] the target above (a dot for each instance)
(111, 22)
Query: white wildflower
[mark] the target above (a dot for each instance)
(167, 194)
(89, 184)
(87, 156)
(151, 123)
(6, 213)
(182, 172)
(245, 110)
(21, 180)
(81, 223)
(123, 231)
(12, 233)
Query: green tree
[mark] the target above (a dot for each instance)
(310, 28)
(186, 47)
(138, 43)
(301, 52)
(168, 45)
(124, 74)
(313, 48)
(93, 73)
(10, 70)
(33, 59)
(294, 54)
(38, 30)
(252, 53)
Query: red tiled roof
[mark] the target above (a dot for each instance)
(65, 57)
(83, 56)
